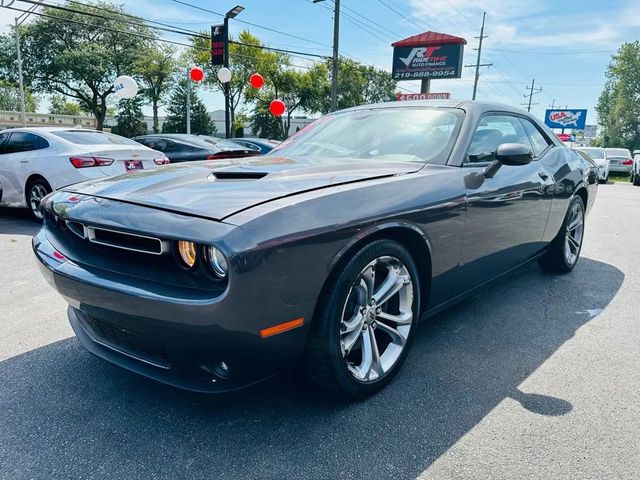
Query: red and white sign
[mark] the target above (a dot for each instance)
(423, 96)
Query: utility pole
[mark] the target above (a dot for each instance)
(553, 104)
(477, 65)
(188, 101)
(532, 91)
(19, 20)
(334, 65)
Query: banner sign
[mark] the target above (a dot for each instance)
(423, 96)
(435, 61)
(565, 118)
(217, 45)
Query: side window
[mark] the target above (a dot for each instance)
(539, 142)
(172, 147)
(493, 131)
(3, 138)
(24, 142)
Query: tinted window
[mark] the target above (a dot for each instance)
(3, 137)
(538, 141)
(618, 153)
(493, 131)
(89, 137)
(154, 143)
(24, 142)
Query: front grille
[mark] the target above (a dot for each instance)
(126, 241)
(126, 341)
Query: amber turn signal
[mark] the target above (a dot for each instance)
(281, 327)
(187, 252)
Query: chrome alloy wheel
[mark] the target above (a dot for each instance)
(376, 318)
(36, 194)
(574, 234)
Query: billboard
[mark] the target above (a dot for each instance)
(566, 118)
(217, 45)
(434, 61)
(423, 96)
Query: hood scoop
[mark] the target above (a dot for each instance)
(229, 175)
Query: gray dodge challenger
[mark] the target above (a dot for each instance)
(320, 257)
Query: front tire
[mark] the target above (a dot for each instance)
(564, 251)
(36, 190)
(364, 325)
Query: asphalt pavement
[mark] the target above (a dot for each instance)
(537, 376)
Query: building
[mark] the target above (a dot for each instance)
(10, 119)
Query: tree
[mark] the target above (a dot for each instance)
(10, 98)
(176, 121)
(264, 124)
(60, 106)
(358, 84)
(156, 68)
(245, 58)
(78, 55)
(619, 103)
(130, 119)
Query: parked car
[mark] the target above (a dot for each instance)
(600, 157)
(180, 147)
(323, 254)
(35, 161)
(263, 145)
(228, 144)
(620, 160)
(635, 170)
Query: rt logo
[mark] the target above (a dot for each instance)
(419, 52)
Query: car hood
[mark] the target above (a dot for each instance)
(220, 188)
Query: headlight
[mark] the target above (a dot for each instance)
(217, 261)
(187, 252)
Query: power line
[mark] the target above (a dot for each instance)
(381, 27)
(402, 15)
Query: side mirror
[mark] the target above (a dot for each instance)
(514, 154)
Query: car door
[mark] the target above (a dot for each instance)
(507, 211)
(19, 153)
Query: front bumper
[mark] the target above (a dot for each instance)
(180, 342)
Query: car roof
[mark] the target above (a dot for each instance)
(49, 129)
(476, 106)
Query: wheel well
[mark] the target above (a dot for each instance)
(582, 192)
(30, 181)
(413, 241)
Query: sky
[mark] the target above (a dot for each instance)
(565, 46)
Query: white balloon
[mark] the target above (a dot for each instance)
(224, 75)
(125, 86)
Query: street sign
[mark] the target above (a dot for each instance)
(217, 45)
(432, 61)
(423, 96)
(566, 118)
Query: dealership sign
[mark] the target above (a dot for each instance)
(430, 61)
(423, 96)
(566, 118)
(217, 45)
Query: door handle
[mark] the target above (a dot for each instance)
(543, 175)
(24, 161)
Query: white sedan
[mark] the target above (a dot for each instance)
(36, 161)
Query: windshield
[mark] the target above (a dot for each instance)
(223, 144)
(93, 138)
(384, 134)
(618, 152)
(596, 153)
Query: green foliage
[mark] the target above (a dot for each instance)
(130, 119)
(60, 106)
(10, 98)
(156, 68)
(264, 124)
(75, 55)
(619, 103)
(176, 121)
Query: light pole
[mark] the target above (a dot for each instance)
(19, 20)
(334, 65)
(227, 113)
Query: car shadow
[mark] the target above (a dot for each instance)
(18, 221)
(67, 414)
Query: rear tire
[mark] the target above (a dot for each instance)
(37, 189)
(364, 325)
(564, 250)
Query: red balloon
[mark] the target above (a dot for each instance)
(277, 107)
(196, 74)
(256, 80)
